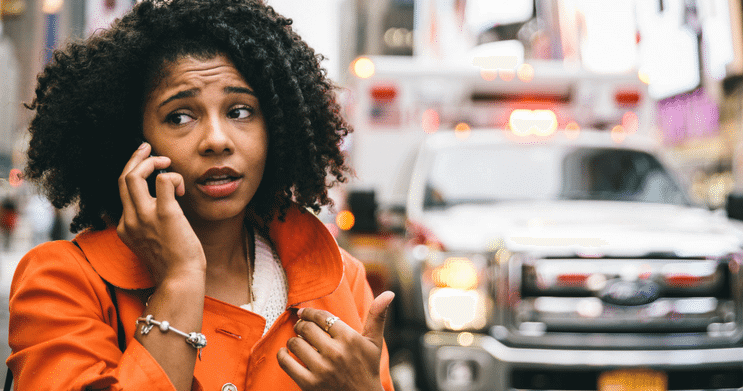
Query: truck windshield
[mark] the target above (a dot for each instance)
(508, 173)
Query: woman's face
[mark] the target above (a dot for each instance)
(207, 120)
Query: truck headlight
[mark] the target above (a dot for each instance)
(457, 309)
(455, 292)
(456, 272)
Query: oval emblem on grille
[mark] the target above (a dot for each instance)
(621, 292)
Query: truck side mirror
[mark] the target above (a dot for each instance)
(364, 208)
(734, 206)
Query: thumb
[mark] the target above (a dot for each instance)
(374, 327)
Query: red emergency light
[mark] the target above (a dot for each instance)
(383, 93)
(683, 280)
(573, 279)
(627, 98)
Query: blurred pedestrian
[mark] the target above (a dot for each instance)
(8, 220)
(225, 256)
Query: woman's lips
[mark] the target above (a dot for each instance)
(219, 182)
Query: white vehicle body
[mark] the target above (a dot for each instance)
(546, 244)
(565, 224)
(541, 290)
(391, 110)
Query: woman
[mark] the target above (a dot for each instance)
(225, 257)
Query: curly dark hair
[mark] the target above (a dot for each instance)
(89, 104)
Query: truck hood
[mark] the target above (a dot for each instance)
(585, 228)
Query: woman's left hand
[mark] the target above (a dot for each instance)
(336, 357)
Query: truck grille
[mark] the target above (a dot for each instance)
(660, 301)
(696, 379)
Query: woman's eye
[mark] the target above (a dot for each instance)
(178, 118)
(240, 113)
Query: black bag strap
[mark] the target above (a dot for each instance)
(121, 334)
(8, 380)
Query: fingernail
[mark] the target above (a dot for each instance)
(143, 145)
(299, 313)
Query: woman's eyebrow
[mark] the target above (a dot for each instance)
(180, 95)
(238, 90)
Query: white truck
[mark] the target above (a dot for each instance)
(545, 244)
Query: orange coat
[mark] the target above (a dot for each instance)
(63, 326)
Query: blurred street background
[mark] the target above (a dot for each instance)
(687, 55)
(689, 51)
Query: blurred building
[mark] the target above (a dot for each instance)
(689, 51)
(9, 84)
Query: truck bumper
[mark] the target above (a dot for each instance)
(478, 362)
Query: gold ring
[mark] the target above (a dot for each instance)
(329, 322)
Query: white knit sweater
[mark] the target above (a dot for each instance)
(269, 285)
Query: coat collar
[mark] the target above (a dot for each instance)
(308, 252)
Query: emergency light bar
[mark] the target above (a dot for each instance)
(537, 122)
(413, 94)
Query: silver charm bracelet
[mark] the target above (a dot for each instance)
(197, 340)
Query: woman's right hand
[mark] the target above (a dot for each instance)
(156, 229)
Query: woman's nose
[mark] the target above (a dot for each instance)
(216, 138)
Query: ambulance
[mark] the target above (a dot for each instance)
(534, 234)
